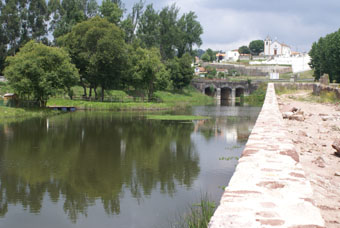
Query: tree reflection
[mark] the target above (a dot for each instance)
(85, 157)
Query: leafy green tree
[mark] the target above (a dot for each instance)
(212, 54)
(169, 31)
(244, 50)
(97, 48)
(211, 71)
(325, 56)
(256, 46)
(111, 11)
(181, 71)
(20, 22)
(40, 71)
(67, 13)
(205, 57)
(149, 73)
(149, 28)
(131, 22)
(190, 33)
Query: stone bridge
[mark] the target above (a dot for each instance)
(223, 89)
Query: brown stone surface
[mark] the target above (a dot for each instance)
(322, 127)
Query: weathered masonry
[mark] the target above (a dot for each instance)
(222, 89)
(269, 187)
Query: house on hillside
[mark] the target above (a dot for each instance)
(220, 57)
(233, 55)
(273, 48)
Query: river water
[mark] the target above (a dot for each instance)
(105, 169)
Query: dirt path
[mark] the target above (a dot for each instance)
(313, 138)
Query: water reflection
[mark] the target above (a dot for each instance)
(82, 158)
(105, 164)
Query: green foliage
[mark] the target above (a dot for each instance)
(190, 33)
(148, 72)
(111, 11)
(40, 71)
(205, 57)
(258, 96)
(181, 72)
(325, 56)
(20, 21)
(256, 46)
(149, 28)
(212, 54)
(211, 72)
(244, 50)
(98, 49)
(200, 214)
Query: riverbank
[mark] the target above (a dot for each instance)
(8, 114)
(168, 101)
(313, 138)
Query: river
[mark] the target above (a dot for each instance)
(116, 169)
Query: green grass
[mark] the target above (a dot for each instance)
(8, 114)
(258, 96)
(325, 97)
(279, 90)
(116, 106)
(169, 100)
(199, 215)
(176, 117)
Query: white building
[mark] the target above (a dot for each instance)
(233, 55)
(276, 48)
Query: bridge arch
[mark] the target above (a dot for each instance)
(239, 92)
(226, 93)
(210, 90)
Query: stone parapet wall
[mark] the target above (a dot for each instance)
(251, 70)
(269, 187)
(319, 88)
(295, 85)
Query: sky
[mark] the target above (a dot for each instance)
(229, 24)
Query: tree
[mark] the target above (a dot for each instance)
(244, 50)
(181, 71)
(111, 11)
(40, 71)
(212, 54)
(149, 73)
(169, 31)
(205, 57)
(149, 28)
(20, 22)
(325, 56)
(256, 47)
(68, 13)
(97, 48)
(190, 33)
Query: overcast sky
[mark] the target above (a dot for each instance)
(229, 24)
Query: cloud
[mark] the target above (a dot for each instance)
(229, 24)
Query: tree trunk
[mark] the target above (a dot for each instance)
(90, 92)
(103, 89)
(85, 94)
(95, 92)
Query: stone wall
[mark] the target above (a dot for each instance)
(295, 86)
(251, 70)
(269, 187)
(319, 88)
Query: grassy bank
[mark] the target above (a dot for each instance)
(198, 216)
(325, 97)
(257, 97)
(8, 114)
(168, 100)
